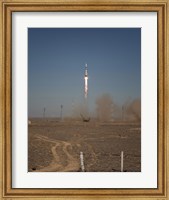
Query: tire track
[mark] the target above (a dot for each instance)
(63, 160)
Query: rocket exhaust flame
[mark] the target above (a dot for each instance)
(86, 87)
(86, 82)
(85, 115)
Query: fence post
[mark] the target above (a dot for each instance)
(82, 161)
(121, 161)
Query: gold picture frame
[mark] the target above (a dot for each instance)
(6, 9)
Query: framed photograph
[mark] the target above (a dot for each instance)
(84, 99)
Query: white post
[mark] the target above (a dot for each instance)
(82, 161)
(121, 161)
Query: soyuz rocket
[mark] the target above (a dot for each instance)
(86, 82)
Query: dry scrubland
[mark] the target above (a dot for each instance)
(56, 146)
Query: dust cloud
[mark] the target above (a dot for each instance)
(133, 110)
(104, 107)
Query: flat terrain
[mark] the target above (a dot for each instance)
(55, 146)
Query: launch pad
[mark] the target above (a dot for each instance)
(85, 119)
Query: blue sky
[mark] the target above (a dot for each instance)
(56, 64)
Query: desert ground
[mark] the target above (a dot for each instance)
(55, 146)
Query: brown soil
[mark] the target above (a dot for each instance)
(55, 146)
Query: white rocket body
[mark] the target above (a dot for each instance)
(86, 82)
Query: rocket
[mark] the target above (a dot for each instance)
(86, 82)
(86, 74)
